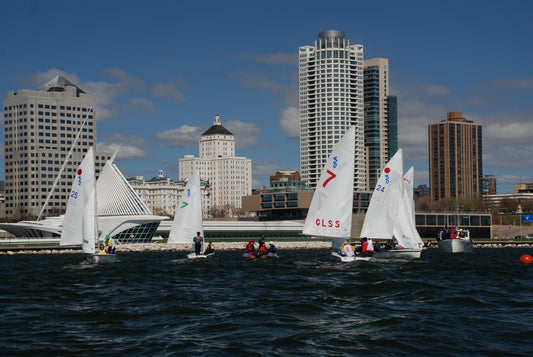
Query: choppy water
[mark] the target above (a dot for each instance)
(303, 304)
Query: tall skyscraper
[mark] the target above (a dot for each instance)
(40, 127)
(455, 161)
(229, 177)
(331, 101)
(381, 128)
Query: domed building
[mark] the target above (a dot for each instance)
(229, 176)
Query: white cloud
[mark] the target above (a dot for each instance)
(413, 121)
(245, 133)
(126, 152)
(290, 122)
(124, 139)
(172, 90)
(105, 94)
(184, 136)
(143, 105)
(42, 78)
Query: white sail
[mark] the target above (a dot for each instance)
(408, 188)
(384, 204)
(405, 229)
(330, 212)
(79, 224)
(188, 217)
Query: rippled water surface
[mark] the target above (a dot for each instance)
(303, 304)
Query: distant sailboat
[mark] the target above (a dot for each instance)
(405, 229)
(80, 222)
(330, 212)
(188, 218)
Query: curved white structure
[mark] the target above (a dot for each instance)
(121, 213)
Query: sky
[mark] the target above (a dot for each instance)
(159, 71)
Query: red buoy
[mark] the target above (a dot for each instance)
(526, 259)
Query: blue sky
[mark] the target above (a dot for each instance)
(161, 70)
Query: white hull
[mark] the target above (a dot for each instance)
(456, 245)
(98, 258)
(346, 259)
(399, 254)
(194, 256)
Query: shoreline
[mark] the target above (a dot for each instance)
(223, 246)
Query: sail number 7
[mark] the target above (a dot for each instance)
(331, 177)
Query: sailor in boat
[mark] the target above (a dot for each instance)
(110, 244)
(210, 248)
(366, 249)
(347, 249)
(263, 253)
(102, 250)
(261, 241)
(272, 248)
(198, 240)
(250, 249)
(390, 245)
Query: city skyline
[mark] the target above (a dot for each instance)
(160, 72)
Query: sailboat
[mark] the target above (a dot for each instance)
(405, 229)
(381, 216)
(188, 218)
(330, 212)
(80, 222)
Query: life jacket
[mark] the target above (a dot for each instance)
(249, 248)
(348, 250)
(197, 240)
(370, 246)
(263, 252)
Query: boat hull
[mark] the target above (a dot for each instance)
(98, 258)
(457, 245)
(201, 256)
(399, 254)
(268, 256)
(346, 259)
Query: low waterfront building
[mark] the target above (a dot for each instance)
(161, 193)
(429, 224)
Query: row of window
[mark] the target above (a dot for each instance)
(48, 120)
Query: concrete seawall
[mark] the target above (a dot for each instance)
(225, 246)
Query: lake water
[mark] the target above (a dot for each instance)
(305, 303)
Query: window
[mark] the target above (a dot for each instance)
(267, 198)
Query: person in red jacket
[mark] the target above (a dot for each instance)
(250, 248)
(366, 249)
(263, 252)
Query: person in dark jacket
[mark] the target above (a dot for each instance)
(198, 240)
